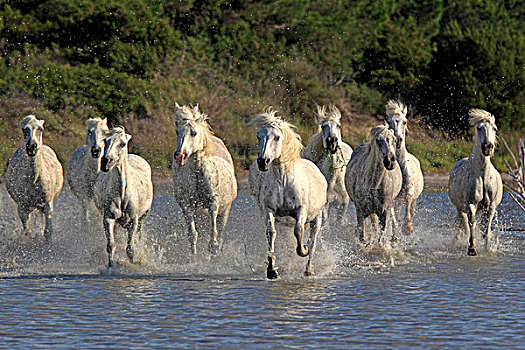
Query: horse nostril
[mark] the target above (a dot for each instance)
(267, 161)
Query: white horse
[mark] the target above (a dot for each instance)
(123, 190)
(33, 175)
(291, 186)
(328, 151)
(203, 175)
(84, 164)
(410, 168)
(373, 179)
(474, 184)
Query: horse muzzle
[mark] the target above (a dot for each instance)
(487, 149)
(31, 149)
(332, 144)
(389, 162)
(180, 158)
(95, 152)
(263, 164)
(104, 164)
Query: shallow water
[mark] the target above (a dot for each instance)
(420, 294)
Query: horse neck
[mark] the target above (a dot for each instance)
(374, 169)
(401, 153)
(317, 147)
(36, 164)
(480, 164)
(119, 176)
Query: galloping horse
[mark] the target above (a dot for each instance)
(203, 175)
(474, 183)
(373, 179)
(328, 151)
(289, 186)
(410, 168)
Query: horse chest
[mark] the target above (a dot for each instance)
(283, 199)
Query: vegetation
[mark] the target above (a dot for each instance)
(130, 60)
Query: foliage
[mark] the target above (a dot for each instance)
(130, 60)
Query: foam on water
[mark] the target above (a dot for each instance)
(164, 248)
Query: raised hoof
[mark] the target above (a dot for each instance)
(309, 273)
(472, 252)
(213, 248)
(272, 274)
(302, 252)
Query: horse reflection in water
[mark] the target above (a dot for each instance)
(288, 186)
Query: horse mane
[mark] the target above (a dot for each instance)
(376, 130)
(291, 146)
(395, 107)
(188, 115)
(27, 119)
(117, 130)
(315, 147)
(480, 115)
(323, 116)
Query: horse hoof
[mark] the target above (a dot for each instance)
(408, 229)
(214, 248)
(130, 254)
(271, 274)
(472, 252)
(309, 273)
(302, 252)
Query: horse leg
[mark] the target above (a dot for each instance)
(461, 227)
(192, 231)
(394, 225)
(23, 214)
(471, 215)
(271, 233)
(408, 227)
(132, 230)
(213, 245)
(341, 211)
(223, 220)
(315, 227)
(300, 221)
(487, 217)
(360, 227)
(383, 221)
(48, 214)
(109, 227)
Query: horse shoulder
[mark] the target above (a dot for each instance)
(347, 152)
(52, 173)
(140, 172)
(220, 176)
(255, 179)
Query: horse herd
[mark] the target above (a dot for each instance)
(380, 177)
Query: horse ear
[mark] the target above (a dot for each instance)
(41, 122)
(105, 121)
(177, 105)
(127, 137)
(405, 110)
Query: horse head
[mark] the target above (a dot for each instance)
(33, 129)
(192, 132)
(270, 141)
(384, 140)
(115, 149)
(485, 137)
(397, 121)
(96, 132)
(330, 127)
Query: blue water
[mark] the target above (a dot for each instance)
(424, 296)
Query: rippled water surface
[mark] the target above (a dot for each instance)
(419, 294)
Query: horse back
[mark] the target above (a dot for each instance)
(219, 149)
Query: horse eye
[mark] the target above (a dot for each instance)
(193, 133)
(122, 145)
(339, 126)
(277, 137)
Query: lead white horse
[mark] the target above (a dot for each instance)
(84, 164)
(373, 179)
(203, 175)
(33, 175)
(289, 186)
(413, 181)
(328, 151)
(123, 191)
(474, 183)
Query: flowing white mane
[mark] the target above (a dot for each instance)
(323, 116)
(480, 115)
(394, 107)
(292, 146)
